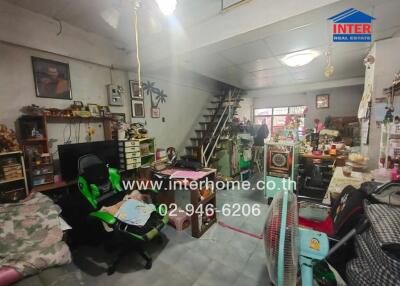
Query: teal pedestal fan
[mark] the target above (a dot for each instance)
(288, 246)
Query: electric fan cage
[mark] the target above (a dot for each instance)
(287, 273)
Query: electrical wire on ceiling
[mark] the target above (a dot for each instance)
(60, 27)
(137, 6)
(111, 75)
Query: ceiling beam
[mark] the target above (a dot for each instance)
(305, 87)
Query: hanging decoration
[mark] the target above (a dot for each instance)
(135, 86)
(329, 69)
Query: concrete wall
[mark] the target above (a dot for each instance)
(88, 83)
(387, 63)
(24, 34)
(343, 101)
(26, 28)
(181, 112)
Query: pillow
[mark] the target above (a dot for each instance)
(385, 221)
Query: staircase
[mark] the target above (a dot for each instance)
(218, 117)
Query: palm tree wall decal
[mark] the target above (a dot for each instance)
(150, 89)
(161, 97)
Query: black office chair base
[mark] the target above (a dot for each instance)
(147, 258)
(143, 253)
(111, 268)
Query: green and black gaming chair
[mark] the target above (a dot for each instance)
(101, 186)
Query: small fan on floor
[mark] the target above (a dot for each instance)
(287, 245)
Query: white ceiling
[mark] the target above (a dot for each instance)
(250, 60)
(257, 64)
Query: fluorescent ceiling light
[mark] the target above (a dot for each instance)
(111, 16)
(167, 7)
(301, 58)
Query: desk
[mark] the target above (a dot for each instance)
(53, 186)
(198, 228)
(339, 182)
(322, 156)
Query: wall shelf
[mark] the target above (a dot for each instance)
(11, 180)
(13, 189)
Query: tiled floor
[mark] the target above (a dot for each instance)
(221, 257)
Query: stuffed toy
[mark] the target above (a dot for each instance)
(8, 140)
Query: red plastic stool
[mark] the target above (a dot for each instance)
(179, 219)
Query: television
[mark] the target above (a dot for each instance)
(69, 154)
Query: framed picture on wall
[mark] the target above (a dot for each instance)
(322, 101)
(155, 112)
(137, 109)
(52, 79)
(136, 92)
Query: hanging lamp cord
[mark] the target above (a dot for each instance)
(137, 6)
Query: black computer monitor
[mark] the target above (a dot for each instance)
(69, 154)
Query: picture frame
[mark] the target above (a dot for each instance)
(78, 103)
(119, 117)
(137, 108)
(105, 111)
(135, 91)
(155, 112)
(105, 108)
(322, 101)
(52, 79)
(78, 106)
(94, 109)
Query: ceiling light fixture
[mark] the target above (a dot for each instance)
(167, 7)
(301, 58)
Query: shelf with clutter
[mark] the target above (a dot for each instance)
(13, 181)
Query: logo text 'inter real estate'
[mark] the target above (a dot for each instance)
(352, 26)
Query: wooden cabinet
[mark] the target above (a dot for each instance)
(13, 183)
(33, 133)
(201, 221)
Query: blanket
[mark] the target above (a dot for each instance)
(135, 212)
(30, 235)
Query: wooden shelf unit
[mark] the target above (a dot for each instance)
(132, 154)
(39, 144)
(13, 188)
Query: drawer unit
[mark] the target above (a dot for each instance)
(128, 149)
(131, 143)
(135, 153)
(130, 166)
(129, 154)
(129, 160)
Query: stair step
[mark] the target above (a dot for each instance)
(217, 115)
(196, 139)
(189, 157)
(200, 130)
(191, 147)
(227, 100)
(208, 123)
